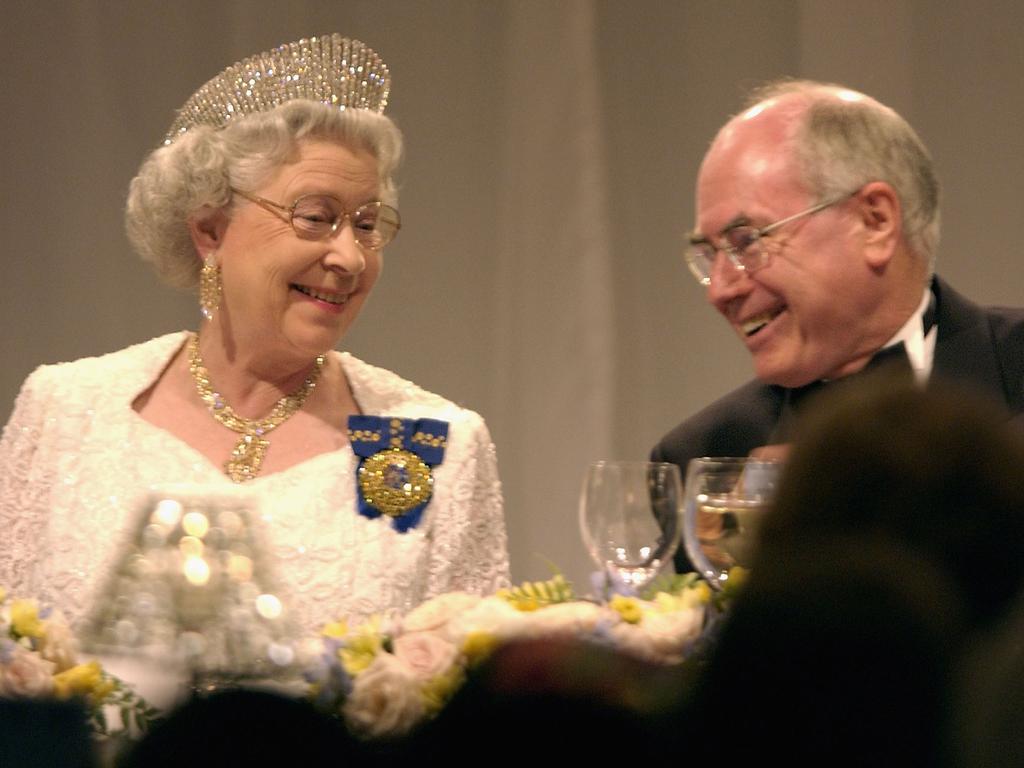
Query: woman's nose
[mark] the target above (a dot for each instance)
(344, 251)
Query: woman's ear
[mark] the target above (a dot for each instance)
(206, 227)
(882, 218)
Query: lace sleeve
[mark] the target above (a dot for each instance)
(24, 487)
(470, 550)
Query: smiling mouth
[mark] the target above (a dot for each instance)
(756, 323)
(331, 298)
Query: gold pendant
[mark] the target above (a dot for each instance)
(246, 459)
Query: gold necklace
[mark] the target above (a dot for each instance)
(247, 457)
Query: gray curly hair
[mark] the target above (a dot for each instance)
(200, 168)
(843, 144)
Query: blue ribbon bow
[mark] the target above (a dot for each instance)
(395, 456)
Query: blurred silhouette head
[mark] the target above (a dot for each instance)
(245, 728)
(45, 733)
(555, 699)
(837, 654)
(937, 472)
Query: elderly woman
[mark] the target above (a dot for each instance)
(273, 195)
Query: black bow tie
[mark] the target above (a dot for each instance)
(891, 362)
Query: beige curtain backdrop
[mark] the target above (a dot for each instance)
(551, 152)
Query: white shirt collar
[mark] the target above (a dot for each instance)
(919, 345)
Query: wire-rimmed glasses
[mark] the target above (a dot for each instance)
(315, 217)
(741, 243)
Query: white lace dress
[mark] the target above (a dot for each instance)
(76, 460)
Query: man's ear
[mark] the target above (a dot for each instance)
(882, 218)
(206, 227)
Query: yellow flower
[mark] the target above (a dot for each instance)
(737, 578)
(703, 593)
(664, 602)
(361, 646)
(25, 619)
(628, 608)
(80, 680)
(439, 689)
(355, 659)
(533, 595)
(691, 597)
(103, 688)
(478, 646)
(520, 601)
(336, 629)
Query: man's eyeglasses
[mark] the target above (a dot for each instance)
(314, 217)
(742, 244)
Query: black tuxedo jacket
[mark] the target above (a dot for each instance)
(977, 347)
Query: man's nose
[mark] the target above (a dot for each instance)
(727, 280)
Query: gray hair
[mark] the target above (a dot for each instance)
(842, 144)
(201, 166)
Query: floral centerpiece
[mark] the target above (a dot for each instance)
(386, 678)
(39, 658)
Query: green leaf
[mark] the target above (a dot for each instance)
(531, 595)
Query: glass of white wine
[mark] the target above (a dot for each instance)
(630, 516)
(725, 500)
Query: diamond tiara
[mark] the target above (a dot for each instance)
(331, 69)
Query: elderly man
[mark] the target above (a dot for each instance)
(816, 232)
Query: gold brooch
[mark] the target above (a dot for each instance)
(394, 476)
(395, 481)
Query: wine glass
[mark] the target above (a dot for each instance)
(725, 500)
(630, 516)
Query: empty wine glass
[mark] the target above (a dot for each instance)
(725, 500)
(630, 515)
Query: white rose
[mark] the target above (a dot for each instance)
(385, 699)
(678, 629)
(26, 674)
(425, 654)
(661, 637)
(492, 616)
(629, 638)
(573, 619)
(58, 643)
(437, 611)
